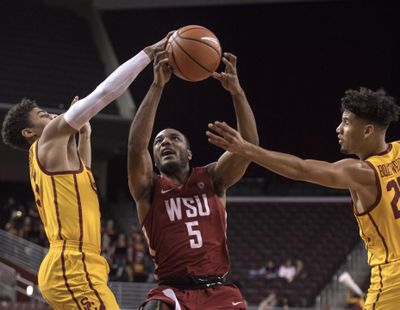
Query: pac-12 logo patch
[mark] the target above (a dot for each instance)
(200, 185)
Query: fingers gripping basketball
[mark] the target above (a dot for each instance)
(194, 53)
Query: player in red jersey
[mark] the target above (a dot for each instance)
(182, 209)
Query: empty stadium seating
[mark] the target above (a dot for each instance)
(320, 234)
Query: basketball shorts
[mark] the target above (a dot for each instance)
(384, 290)
(220, 297)
(70, 278)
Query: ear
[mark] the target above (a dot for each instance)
(369, 129)
(189, 153)
(28, 133)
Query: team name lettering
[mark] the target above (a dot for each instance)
(389, 169)
(187, 206)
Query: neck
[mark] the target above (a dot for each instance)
(376, 148)
(178, 178)
(32, 140)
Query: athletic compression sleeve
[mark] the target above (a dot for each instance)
(110, 89)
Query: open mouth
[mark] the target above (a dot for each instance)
(166, 153)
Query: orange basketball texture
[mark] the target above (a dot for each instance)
(194, 53)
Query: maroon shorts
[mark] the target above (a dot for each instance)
(220, 297)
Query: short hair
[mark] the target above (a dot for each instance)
(16, 119)
(375, 106)
(184, 137)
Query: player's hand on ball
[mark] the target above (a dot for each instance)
(229, 78)
(162, 71)
(225, 137)
(152, 50)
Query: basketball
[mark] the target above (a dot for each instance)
(194, 53)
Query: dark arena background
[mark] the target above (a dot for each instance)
(295, 61)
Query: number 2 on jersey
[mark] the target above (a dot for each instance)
(395, 186)
(197, 241)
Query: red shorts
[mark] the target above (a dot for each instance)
(220, 297)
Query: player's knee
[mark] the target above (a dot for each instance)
(156, 305)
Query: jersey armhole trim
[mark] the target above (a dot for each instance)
(378, 196)
(51, 173)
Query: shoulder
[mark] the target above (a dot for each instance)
(362, 172)
(210, 171)
(348, 162)
(215, 180)
(355, 173)
(353, 165)
(210, 168)
(204, 173)
(57, 129)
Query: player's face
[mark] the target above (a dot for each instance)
(170, 150)
(39, 119)
(350, 133)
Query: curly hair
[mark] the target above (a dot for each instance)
(375, 106)
(16, 119)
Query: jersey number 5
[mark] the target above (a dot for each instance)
(197, 241)
(395, 186)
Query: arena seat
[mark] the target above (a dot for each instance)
(309, 232)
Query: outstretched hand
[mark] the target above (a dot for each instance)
(229, 78)
(152, 50)
(225, 137)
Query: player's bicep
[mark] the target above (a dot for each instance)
(229, 169)
(140, 174)
(57, 128)
(344, 174)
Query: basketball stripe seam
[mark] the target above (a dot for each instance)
(78, 198)
(177, 66)
(194, 60)
(202, 42)
(191, 28)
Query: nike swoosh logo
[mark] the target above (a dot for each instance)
(164, 191)
(236, 303)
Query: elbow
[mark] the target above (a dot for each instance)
(299, 171)
(132, 148)
(135, 148)
(108, 93)
(256, 140)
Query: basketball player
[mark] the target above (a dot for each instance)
(73, 275)
(373, 180)
(182, 209)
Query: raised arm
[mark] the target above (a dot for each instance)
(230, 167)
(84, 141)
(57, 133)
(140, 167)
(349, 173)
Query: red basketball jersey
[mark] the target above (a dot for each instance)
(186, 228)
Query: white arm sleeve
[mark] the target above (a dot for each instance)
(109, 90)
